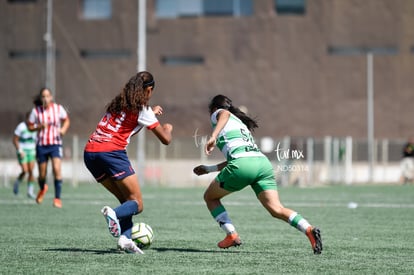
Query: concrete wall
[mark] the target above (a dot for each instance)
(278, 66)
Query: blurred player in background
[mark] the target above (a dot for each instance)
(24, 141)
(407, 162)
(51, 122)
(106, 157)
(245, 165)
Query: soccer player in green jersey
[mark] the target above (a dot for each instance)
(24, 141)
(245, 165)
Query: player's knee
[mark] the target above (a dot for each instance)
(57, 174)
(207, 197)
(140, 207)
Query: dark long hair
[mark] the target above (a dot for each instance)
(223, 102)
(132, 97)
(37, 100)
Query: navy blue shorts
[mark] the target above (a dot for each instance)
(44, 152)
(113, 164)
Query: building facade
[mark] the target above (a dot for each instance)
(300, 69)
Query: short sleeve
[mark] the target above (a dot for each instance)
(147, 118)
(32, 117)
(19, 129)
(214, 116)
(62, 112)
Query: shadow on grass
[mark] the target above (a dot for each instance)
(94, 251)
(158, 249)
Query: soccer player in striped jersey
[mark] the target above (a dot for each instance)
(51, 122)
(245, 165)
(24, 141)
(106, 157)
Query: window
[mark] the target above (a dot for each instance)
(96, 9)
(218, 7)
(178, 8)
(97, 54)
(197, 8)
(290, 6)
(21, 1)
(228, 7)
(334, 50)
(29, 54)
(182, 60)
(33, 54)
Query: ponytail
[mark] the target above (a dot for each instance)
(249, 122)
(223, 102)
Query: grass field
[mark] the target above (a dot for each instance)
(375, 238)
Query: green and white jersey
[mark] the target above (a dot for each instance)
(235, 140)
(27, 139)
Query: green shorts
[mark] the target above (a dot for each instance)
(254, 171)
(29, 156)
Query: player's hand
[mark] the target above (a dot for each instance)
(41, 126)
(157, 110)
(200, 170)
(211, 143)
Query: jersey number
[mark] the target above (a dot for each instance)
(114, 124)
(247, 137)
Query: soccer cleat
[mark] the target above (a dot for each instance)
(230, 240)
(314, 236)
(31, 195)
(41, 194)
(57, 203)
(128, 245)
(112, 220)
(16, 187)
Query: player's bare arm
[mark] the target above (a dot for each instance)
(16, 145)
(205, 169)
(163, 133)
(36, 127)
(222, 118)
(65, 126)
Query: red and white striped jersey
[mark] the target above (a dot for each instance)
(114, 131)
(52, 116)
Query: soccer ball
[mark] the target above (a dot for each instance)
(142, 235)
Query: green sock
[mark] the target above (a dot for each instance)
(297, 221)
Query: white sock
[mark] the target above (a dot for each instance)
(225, 223)
(30, 189)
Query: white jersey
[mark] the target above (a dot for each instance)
(235, 139)
(27, 139)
